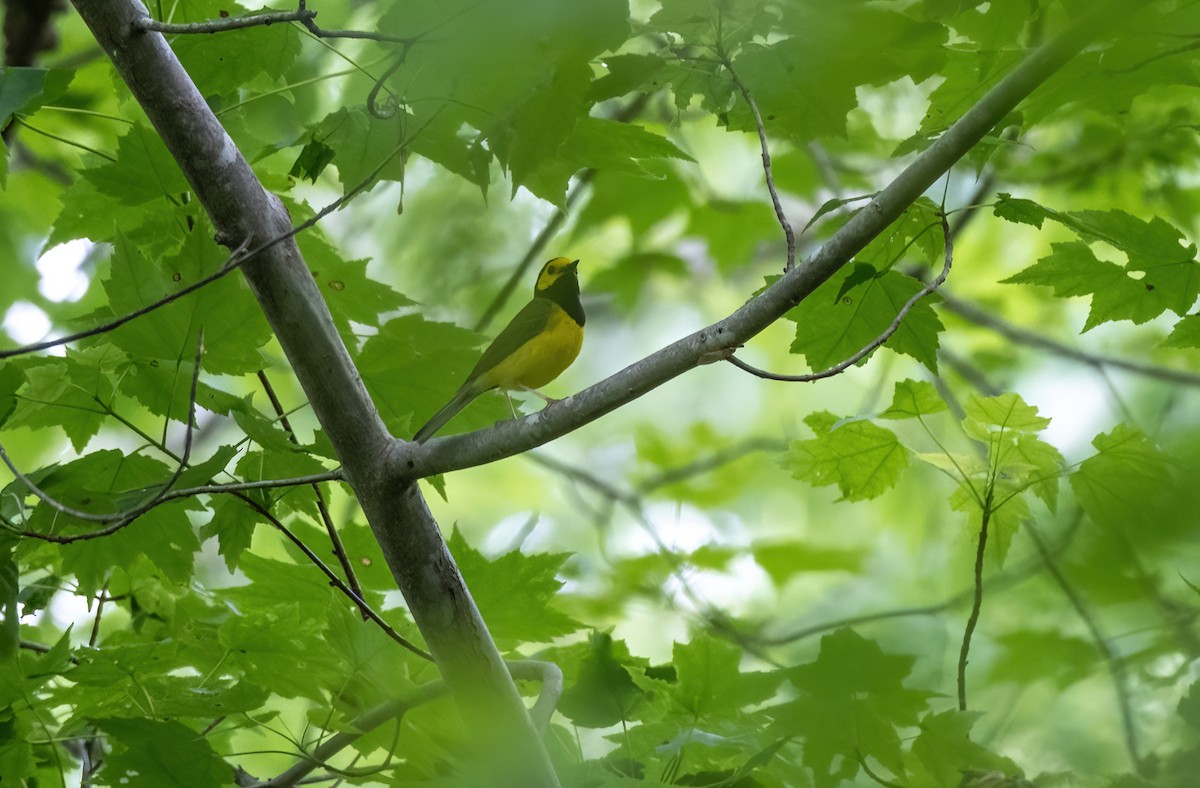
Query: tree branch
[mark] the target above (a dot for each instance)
(137, 511)
(301, 15)
(780, 216)
(454, 452)
(1024, 336)
(150, 24)
(976, 603)
(334, 538)
(1116, 665)
(240, 208)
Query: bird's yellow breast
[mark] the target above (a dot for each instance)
(542, 358)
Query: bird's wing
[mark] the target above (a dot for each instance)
(527, 324)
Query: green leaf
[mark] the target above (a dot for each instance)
(1189, 706)
(164, 389)
(945, 751)
(144, 170)
(1008, 510)
(10, 587)
(68, 393)
(232, 522)
(603, 694)
(23, 90)
(1160, 274)
(281, 583)
(638, 202)
(1019, 211)
(862, 459)
(1185, 334)
(1007, 411)
(1128, 483)
(108, 677)
(412, 367)
(1031, 655)
(11, 380)
(515, 592)
(312, 161)
(220, 64)
(851, 704)
(350, 294)
(733, 230)
(517, 72)
(16, 754)
(710, 683)
(233, 324)
(916, 235)
(628, 278)
(825, 41)
(149, 753)
(626, 73)
(856, 306)
(362, 143)
(1044, 467)
(913, 399)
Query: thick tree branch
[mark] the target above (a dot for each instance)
(440, 455)
(412, 545)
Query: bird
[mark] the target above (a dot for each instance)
(537, 345)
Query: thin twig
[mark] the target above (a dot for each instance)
(1115, 663)
(874, 344)
(301, 15)
(633, 503)
(128, 515)
(335, 539)
(976, 603)
(766, 163)
(237, 258)
(334, 580)
(862, 761)
(151, 25)
(1029, 338)
(100, 599)
(187, 492)
(321, 32)
(705, 464)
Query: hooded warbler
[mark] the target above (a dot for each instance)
(532, 350)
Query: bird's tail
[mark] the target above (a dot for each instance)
(456, 403)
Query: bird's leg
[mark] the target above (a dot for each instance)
(549, 400)
(510, 405)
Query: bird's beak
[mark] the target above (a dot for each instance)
(573, 265)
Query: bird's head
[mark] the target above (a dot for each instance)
(555, 270)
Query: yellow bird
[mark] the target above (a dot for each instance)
(532, 350)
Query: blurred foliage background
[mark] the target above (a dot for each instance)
(746, 582)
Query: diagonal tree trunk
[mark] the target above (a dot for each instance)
(242, 211)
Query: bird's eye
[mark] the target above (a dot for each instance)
(552, 270)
